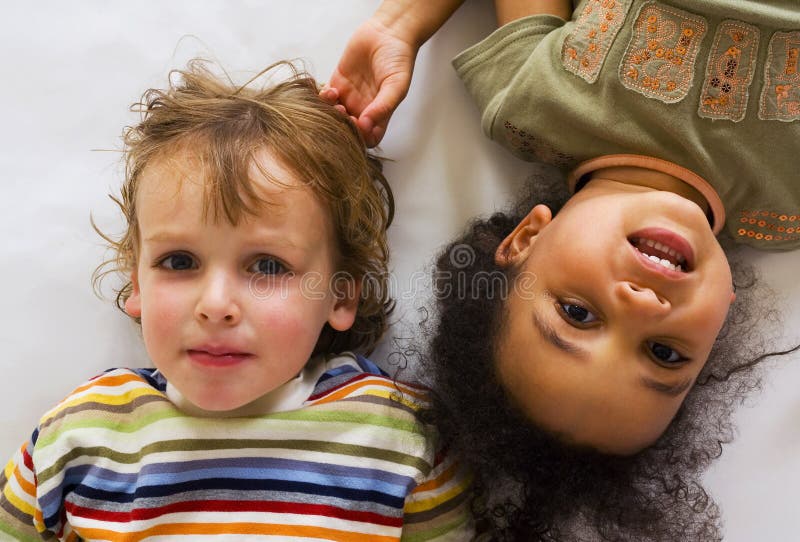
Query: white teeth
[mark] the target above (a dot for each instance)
(671, 252)
(664, 263)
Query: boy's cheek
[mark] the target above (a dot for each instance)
(293, 320)
(163, 305)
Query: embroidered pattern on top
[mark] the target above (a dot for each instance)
(769, 225)
(532, 149)
(731, 65)
(659, 61)
(584, 49)
(780, 97)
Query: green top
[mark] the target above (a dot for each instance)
(716, 92)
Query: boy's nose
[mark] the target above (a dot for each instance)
(641, 301)
(217, 303)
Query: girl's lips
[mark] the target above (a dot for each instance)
(217, 357)
(668, 240)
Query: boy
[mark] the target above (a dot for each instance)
(253, 223)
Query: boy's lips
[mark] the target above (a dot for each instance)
(217, 356)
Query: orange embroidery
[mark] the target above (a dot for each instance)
(530, 148)
(762, 228)
(731, 65)
(584, 50)
(780, 98)
(659, 61)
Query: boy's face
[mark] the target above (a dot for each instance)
(229, 313)
(601, 344)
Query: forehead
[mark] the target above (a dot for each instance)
(258, 187)
(608, 410)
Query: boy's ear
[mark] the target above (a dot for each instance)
(516, 247)
(343, 313)
(133, 305)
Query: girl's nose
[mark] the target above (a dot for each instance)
(217, 301)
(641, 301)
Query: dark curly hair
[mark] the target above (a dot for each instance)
(531, 486)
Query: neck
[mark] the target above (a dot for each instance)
(649, 178)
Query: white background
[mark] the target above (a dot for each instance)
(70, 70)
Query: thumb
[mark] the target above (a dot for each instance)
(374, 120)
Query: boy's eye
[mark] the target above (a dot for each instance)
(267, 266)
(177, 262)
(665, 354)
(577, 313)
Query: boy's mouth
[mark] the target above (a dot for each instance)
(664, 248)
(217, 356)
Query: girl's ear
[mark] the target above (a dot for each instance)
(515, 248)
(133, 305)
(343, 312)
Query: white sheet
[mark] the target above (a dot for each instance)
(71, 69)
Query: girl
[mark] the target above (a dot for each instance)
(616, 302)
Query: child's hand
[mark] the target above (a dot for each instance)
(372, 78)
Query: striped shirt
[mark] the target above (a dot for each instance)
(116, 460)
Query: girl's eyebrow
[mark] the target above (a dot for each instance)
(551, 335)
(672, 390)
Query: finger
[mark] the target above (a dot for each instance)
(389, 96)
(366, 127)
(329, 95)
(377, 134)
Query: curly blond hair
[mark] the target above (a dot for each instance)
(226, 125)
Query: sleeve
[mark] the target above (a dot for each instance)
(489, 68)
(20, 514)
(438, 509)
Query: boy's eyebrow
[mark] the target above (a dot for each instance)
(166, 235)
(162, 236)
(551, 335)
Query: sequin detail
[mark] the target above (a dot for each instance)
(731, 65)
(585, 48)
(530, 148)
(780, 98)
(769, 225)
(660, 58)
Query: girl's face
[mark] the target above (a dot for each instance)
(600, 343)
(229, 313)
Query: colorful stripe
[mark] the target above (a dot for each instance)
(354, 463)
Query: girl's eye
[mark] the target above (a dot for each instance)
(267, 266)
(578, 314)
(664, 354)
(177, 262)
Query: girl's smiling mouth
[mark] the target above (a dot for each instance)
(664, 248)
